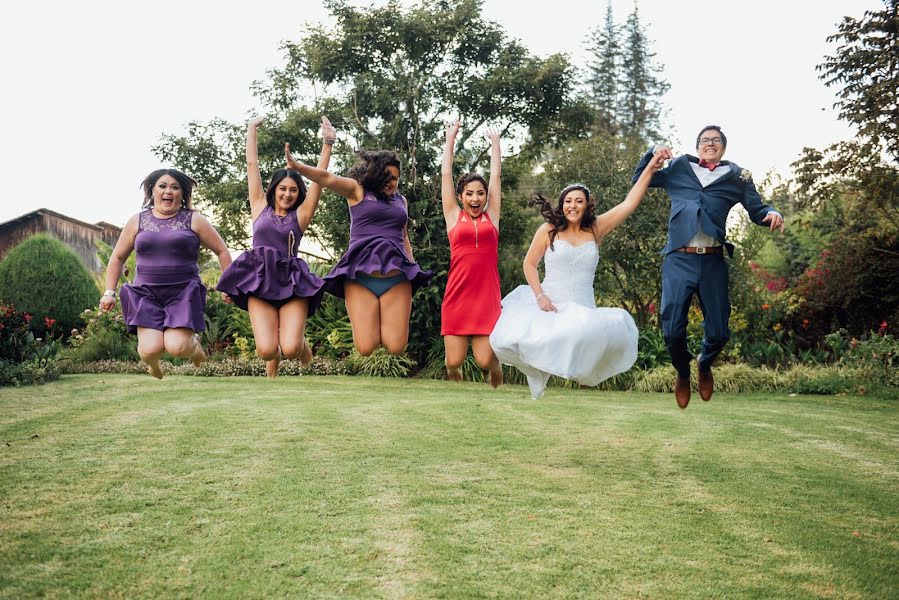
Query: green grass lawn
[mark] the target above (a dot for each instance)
(117, 486)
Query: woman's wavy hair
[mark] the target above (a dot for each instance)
(555, 216)
(277, 177)
(468, 178)
(371, 171)
(186, 182)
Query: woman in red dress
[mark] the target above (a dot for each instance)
(471, 303)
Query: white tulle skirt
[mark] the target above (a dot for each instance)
(578, 342)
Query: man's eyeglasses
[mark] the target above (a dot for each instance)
(714, 140)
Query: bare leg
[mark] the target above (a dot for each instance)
(183, 343)
(455, 348)
(291, 333)
(486, 359)
(150, 346)
(396, 306)
(365, 317)
(264, 321)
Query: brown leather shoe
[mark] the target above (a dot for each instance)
(682, 391)
(706, 384)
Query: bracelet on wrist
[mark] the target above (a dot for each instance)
(329, 140)
(110, 293)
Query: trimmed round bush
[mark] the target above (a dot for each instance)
(44, 278)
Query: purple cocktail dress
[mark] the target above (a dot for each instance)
(271, 270)
(376, 244)
(167, 291)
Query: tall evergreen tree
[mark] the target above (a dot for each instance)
(604, 72)
(639, 109)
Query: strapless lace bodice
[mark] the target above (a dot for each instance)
(569, 273)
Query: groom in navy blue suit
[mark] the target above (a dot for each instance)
(702, 191)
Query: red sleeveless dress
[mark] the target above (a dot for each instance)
(471, 303)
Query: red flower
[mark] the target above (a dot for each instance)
(49, 323)
(766, 306)
(805, 323)
(652, 308)
(883, 328)
(27, 317)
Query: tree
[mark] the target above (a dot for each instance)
(604, 72)
(851, 281)
(642, 86)
(388, 77)
(866, 66)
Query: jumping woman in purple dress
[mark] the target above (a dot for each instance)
(377, 274)
(271, 281)
(165, 304)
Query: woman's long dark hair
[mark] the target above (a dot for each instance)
(371, 171)
(186, 182)
(555, 216)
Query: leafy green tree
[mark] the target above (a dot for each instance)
(389, 77)
(866, 68)
(850, 190)
(44, 278)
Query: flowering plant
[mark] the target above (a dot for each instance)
(746, 175)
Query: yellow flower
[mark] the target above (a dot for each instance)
(777, 327)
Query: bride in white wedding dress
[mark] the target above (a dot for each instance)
(554, 327)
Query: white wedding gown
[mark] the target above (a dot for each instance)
(580, 341)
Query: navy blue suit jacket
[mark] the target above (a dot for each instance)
(693, 206)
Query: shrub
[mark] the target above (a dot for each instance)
(105, 337)
(225, 366)
(728, 379)
(816, 379)
(44, 278)
(877, 357)
(328, 331)
(381, 364)
(17, 342)
(27, 373)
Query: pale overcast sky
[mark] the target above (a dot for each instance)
(89, 87)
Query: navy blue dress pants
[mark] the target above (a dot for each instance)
(704, 275)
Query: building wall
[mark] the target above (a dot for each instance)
(76, 235)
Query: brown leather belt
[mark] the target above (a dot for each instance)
(700, 250)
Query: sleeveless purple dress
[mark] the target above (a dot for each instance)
(376, 244)
(167, 291)
(271, 270)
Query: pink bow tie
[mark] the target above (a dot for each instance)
(708, 165)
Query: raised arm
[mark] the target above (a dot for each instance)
(254, 177)
(660, 176)
(123, 248)
(345, 186)
(495, 189)
(307, 209)
(616, 215)
(447, 187)
(531, 260)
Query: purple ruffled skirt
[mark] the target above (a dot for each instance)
(164, 306)
(266, 274)
(374, 255)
